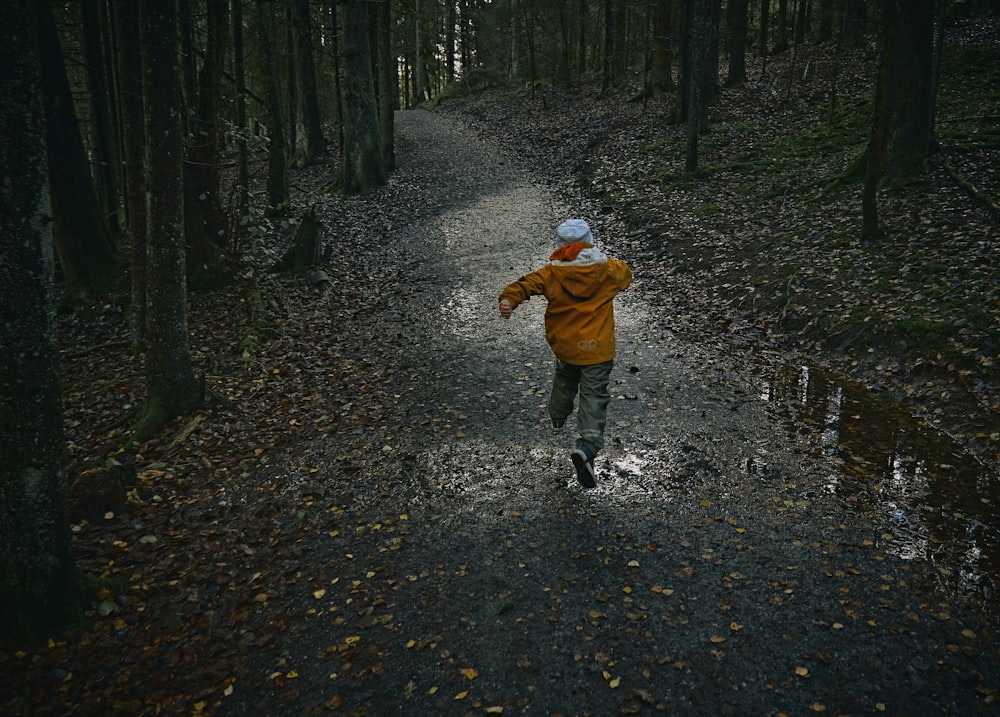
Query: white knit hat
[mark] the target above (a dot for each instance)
(574, 230)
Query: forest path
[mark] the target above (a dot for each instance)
(457, 567)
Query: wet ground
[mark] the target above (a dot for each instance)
(764, 538)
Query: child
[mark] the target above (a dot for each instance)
(580, 284)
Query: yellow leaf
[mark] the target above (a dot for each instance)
(292, 674)
(411, 643)
(633, 563)
(494, 710)
(319, 593)
(802, 671)
(469, 672)
(462, 695)
(817, 707)
(968, 633)
(615, 682)
(735, 626)
(228, 691)
(717, 639)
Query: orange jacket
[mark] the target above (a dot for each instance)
(580, 318)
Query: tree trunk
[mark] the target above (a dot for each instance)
(171, 388)
(700, 18)
(737, 74)
(105, 149)
(781, 28)
(86, 254)
(277, 165)
(205, 216)
(38, 592)
(661, 77)
(242, 153)
(911, 104)
(387, 84)
(418, 48)
(607, 53)
(130, 77)
(763, 29)
(878, 143)
(310, 147)
(362, 165)
(306, 247)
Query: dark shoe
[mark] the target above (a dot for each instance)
(558, 425)
(583, 461)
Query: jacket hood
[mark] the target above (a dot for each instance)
(582, 277)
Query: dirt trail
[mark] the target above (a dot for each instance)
(459, 569)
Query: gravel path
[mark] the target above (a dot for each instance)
(716, 569)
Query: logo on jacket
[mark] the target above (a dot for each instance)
(587, 345)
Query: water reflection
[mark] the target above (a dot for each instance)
(939, 501)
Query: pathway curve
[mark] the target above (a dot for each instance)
(461, 570)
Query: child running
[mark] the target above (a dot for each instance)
(580, 284)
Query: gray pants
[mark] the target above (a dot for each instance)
(592, 384)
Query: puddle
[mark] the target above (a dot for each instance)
(940, 503)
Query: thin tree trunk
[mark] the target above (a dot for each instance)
(277, 165)
(38, 592)
(878, 143)
(104, 151)
(737, 74)
(130, 74)
(242, 154)
(387, 85)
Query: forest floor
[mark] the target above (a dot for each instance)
(370, 515)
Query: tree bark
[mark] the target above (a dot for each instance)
(104, 149)
(133, 135)
(277, 164)
(86, 255)
(171, 388)
(737, 16)
(310, 147)
(362, 164)
(38, 592)
(387, 98)
(661, 77)
(911, 104)
(878, 143)
(206, 222)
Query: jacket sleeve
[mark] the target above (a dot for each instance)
(529, 285)
(621, 271)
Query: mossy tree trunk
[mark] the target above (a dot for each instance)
(37, 578)
(171, 387)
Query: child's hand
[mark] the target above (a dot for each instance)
(505, 309)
